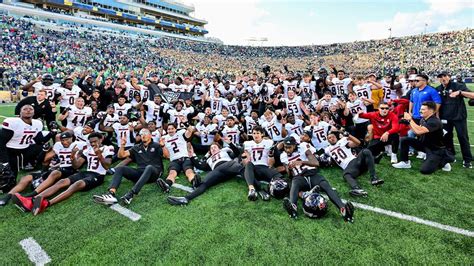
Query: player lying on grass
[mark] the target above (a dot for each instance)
(352, 166)
(222, 164)
(302, 166)
(42, 180)
(98, 158)
(148, 156)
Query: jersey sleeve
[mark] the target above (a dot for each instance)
(56, 147)
(108, 151)
(284, 158)
(9, 123)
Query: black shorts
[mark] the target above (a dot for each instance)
(179, 165)
(91, 179)
(66, 171)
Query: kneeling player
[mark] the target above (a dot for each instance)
(301, 164)
(176, 145)
(62, 150)
(98, 159)
(353, 166)
(221, 166)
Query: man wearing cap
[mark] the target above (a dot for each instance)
(44, 82)
(453, 114)
(42, 107)
(148, 155)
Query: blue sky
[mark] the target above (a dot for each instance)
(306, 22)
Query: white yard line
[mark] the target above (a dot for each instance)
(414, 219)
(185, 188)
(34, 251)
(470, 121)
(457, 144)
(126, 212)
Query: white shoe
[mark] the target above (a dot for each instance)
(107, 199)
(402, 165)
(388, 150)
(421, 155)
(394, 158)
(446, 167)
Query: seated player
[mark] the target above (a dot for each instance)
(62, 150)
(353, 166)
(221, 164)
(176, 146)
(98, 158)
(301, 165)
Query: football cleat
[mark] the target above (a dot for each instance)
(358, 192)
(264, 195)
(252, 196)
(446, 167)
(347, 212)
(421, 155)
(196, 182)
(107, 199)
(39, 205)
(467, 165)
(163, 185)
(127, 198)
(178, 201)
(290, 208)
(25, 204)
(375, 181)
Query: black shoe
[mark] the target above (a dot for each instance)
(181, 201)
(252, 196)
(375, 181)
(378, 158)
(163, 185)
(347, 212)
(264, 195)
(358, 192)
(290, 208)
(127, 198)
(467, 165)
(196, 182)
(4, 201)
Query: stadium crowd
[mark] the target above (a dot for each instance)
(133, 100)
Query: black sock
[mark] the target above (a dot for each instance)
(169, 182)
(31, 194)
(7, 197)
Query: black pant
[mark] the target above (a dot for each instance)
(18, 158)
(200, 148)
(262, 172)
(140, 177)
(359, 130)
(363, 162)
(463, 138)
(376, 146)
(435, 159)
(221, 173)
(307, 182)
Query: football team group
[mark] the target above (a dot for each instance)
(274, 130)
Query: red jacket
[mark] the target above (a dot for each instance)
(382, 124)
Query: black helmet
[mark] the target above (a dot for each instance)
(7, 178)
(279, 188)
(315, 206)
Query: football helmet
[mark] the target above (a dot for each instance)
(315, 206)
(279, 188)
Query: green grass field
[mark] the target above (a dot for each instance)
(223, 227)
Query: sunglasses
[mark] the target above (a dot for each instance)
(419, 80)
(383, 108)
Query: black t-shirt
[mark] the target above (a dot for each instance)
(432, 140)
(452, 108)
(151, 155)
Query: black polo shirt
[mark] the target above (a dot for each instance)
(452, 108)
(151, 155)
(432, 140)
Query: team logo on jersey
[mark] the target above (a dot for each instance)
(152, 150)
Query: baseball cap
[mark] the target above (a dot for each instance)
(412, 77)
(290, 141)
(309, 133)
(443, 73)
(65, 135)
(90, 124)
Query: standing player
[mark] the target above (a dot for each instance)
(69, 93)
(231, 130)
(122, 107)
(76, 115)
(44, 82)
(342, 84)
(176, 145)
(272, 124)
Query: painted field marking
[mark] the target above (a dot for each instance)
(414, 219)
(185, 188)
(34, 251)
(126, 212)
(457, 144)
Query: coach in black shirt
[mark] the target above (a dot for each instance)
(41, 105)
(148, 156)
(453, 114)
(430, 141)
